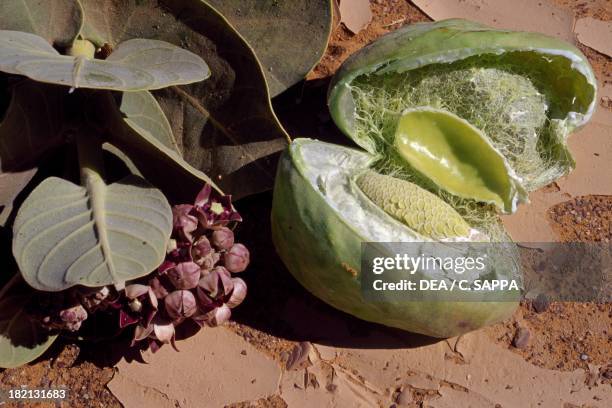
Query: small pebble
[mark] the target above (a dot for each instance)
(541, 303)
(331, 387)
(67, 357)
(404, 397)
(584, 357)
(521, 338)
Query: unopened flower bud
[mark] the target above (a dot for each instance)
(185, 275)
(239, 292)
(223, 238)
(237, 258)
(73, 317)
(180, 304)
(219, 315)
(184, 223)
(201, 249)
(163, 330)
(216, 282)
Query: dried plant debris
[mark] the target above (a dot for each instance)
(355, 14)
(595, 33)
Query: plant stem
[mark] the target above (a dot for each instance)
(12, 282)
(89, 149)
(92, 169)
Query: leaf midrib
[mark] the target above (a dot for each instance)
(96, 189)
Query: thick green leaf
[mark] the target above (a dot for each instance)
(140, 130)
(134, 65)
(66, 234)
(225, 126)
(21, 340)
(11, 184)
(143, 114)
(289, 37)
(123, 158)
(57, 21)
(32, 124)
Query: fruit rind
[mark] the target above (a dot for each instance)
(558, 69)
(445, 41)
(323, 252)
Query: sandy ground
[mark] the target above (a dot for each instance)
(286, 348)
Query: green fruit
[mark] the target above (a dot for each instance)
(458, 121)
(454, 154)
(326, 203)
(525, 92)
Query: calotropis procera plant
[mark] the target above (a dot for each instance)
(458, 122)
(158, 132)
(194, 282)
(85, 99)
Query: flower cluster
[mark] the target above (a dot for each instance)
(68, 310)
(194, 282)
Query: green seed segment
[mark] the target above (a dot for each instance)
(456, 156)
(410, 204)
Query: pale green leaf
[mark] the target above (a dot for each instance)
(289, 37)
(66, 234)
(123, 158)
(57, 21)
(139, 130)
(144, 115)
(21, 339)
(225, 125)
(134, 65)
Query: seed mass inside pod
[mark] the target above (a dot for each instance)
(417, 208)
(378, 207)
(517, 100)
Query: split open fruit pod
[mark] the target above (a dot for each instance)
(520, 93)
(458, 122)
(328, 201)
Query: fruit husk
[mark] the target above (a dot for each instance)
(569, 80)
(323, 252)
